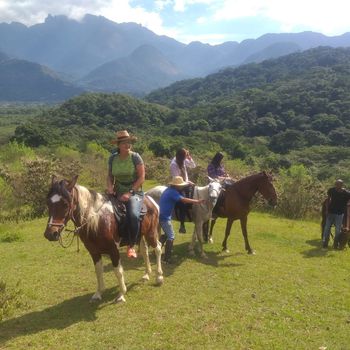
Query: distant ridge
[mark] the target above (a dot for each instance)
(144, 70)
(22, 80)
(99, 52)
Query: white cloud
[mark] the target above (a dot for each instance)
(328, 17)
(182, 5)
(33, 11)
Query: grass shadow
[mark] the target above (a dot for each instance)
(57, 317)
(317, 251)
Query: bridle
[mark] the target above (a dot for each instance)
(62, 225)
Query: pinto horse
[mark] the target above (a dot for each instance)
(93, 215)
(201, 213)
(235, 203)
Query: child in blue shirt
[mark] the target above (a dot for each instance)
(167, 203)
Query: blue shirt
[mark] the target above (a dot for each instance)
(167, 202)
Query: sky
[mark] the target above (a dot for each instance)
(208, 21)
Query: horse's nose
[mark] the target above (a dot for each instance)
(51, 235)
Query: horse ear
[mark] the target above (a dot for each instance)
(53, 179)
(210, 178)
(72, 183)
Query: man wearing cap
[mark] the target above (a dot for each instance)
(126, 174)
(337, 200)
(167, 203)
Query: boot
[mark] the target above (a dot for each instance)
(182, 228)
(168, 251)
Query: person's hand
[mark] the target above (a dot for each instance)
(110, 191)
(125, 197)
(202, 201)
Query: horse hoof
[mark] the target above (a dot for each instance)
(191, 253)
(120, 299)
(204, 256)
(211, 241)
(96, 297)
(145, 278)
(159, 280)
(251, 252)
(226, 250)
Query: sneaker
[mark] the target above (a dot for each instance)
(131, 253)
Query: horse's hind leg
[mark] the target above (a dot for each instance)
(212, 224)
(144, 252)
(227, 233)
(97, 259)
(158, 252)
(119, 272)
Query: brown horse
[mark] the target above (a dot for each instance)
(93, 215)
(236, 201)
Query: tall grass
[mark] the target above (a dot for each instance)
(290, 295)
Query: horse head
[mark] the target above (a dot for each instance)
(60, 206)
(267, 189)
(214, 189)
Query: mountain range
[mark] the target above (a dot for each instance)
(97, 54)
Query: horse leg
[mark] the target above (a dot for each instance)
(97, 259)
(118, 271)
(212, 224)
(206, 231)
(144, 252)
(192, 243)
(227, 233)
(199, 233)
(245, 235)
(158, 252)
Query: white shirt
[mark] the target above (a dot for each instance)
(176, 171)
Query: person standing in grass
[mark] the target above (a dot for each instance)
(168, 199)
(336, 203)
(178, 167)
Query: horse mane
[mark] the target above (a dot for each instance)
(250, 177)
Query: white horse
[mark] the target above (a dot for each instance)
(201, 213)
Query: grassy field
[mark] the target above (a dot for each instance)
(290, 295)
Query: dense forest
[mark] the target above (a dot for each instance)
(277, 115)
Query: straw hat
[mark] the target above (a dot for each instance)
(177, 181)
(123, 135)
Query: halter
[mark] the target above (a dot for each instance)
(62, 225)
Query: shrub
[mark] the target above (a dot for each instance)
(299, 194)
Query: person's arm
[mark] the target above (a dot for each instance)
(189, 162)
(140, 171)
(110, 184)
(193, 201)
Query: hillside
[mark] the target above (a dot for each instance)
(22, 80)
(289, 110)
(146, 69)
(76, 48)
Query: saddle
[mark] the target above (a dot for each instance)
(221, 199)
(119, 209)
(184, 209)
